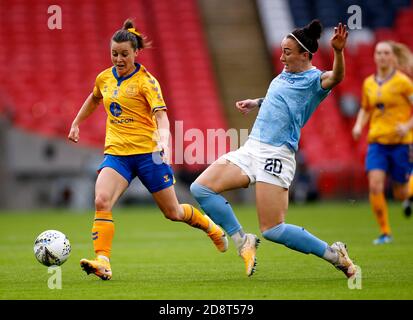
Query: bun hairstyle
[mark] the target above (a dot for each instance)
(129, 33)
(307, 37)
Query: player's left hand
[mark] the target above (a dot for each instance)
(339, 39)
(245, 106)
(165, 153)
(402, 129)
(356, 132)
(74, 133)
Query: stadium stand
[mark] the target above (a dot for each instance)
(54, 70)
(46, 74)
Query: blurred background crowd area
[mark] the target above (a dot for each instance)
(206, 54)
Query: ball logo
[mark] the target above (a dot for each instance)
(115, 109)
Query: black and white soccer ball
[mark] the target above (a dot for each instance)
(52, 248)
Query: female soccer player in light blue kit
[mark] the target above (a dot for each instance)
(267, 158)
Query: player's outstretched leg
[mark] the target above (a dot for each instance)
(220, 211)
(299, 239)
(196, 219)
(102, 236)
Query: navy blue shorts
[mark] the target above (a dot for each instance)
(393, 159)
(148, 167)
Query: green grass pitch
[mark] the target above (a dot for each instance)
(154, 258)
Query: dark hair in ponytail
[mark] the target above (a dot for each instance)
(138, 42)
(308, 36)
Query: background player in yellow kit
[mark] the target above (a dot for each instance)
(136, 145)
(387, 100)
(404, 59)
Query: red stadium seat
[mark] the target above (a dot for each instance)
(54, 76)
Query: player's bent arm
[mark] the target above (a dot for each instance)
(88, 107)
(162, 122)
(331, 78)
(362, 118)
(247, 105)
(163, 126)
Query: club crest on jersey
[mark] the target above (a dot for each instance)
(131, 90)
(115, 109)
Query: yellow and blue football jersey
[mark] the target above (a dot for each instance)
(389, 104)
(130, 103)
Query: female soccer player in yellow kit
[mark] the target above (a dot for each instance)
(404, 58)
(387, 100)
(136, 145)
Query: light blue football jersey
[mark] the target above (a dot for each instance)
(290, 101)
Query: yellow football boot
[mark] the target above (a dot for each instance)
(100, 267)
(344, 262)
(248, 253)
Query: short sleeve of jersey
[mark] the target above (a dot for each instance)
(364, 98)
(151, 90)
(409, 89)
(320, 89)
(96, 90)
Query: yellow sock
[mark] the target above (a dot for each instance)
(410, 186)
(102, 233)
(379, 207)
(195, 218)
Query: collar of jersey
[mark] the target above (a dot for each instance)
(381, 82)
(120, 79)
(301, 72)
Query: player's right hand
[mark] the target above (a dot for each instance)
(245, 106)
(356, 132)
(74, 134)
(339, 39)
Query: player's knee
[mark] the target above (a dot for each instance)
(172, 213)
(195, 189)
(199, 191)
(376, 188)
(267, 224)
(102, 202)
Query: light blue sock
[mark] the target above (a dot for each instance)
(216, 207)
(296, 238)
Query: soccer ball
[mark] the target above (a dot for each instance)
(52, 247)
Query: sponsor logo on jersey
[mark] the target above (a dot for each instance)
(285, 78)
(115, 109)
(121, 121)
